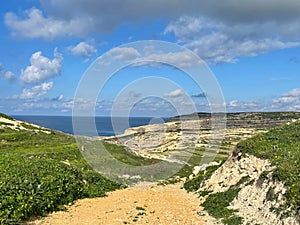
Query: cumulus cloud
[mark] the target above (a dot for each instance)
(42, 68)
(131, 10)
(288, 101)
(152, 56)
(175, 93)
(218, 31)
(8, 75)
(79, 104)
(35, 25)
(83, 49)
(36, 91)
(216, 42)
(83, 17)
(245, 106)
(123, 53)
(182, 59)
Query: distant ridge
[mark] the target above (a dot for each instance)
(244, 119)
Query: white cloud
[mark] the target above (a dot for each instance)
(35, 25)
(36, 91)
(288, 101)
(175, 93)
(152, 56)
(186, 27)
(123, 53)
(182, 59)
(83, 49)
(245, 106)
(10, 76)
(233, 103)
(217, 42)
(7, 75)
(83, 17)
(78, 104)
(221, 32)
(42, 68)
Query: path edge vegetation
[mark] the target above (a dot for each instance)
(42, 171)
(281, 146)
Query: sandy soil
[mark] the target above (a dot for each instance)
(141, 204)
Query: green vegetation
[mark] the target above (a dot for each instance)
(118, 162)
(6, 116)
(194, 184)
(36, 185)
(187, 169)
(217, 204)
(141, 212)
(42, 172)
(282, 147)
(140, 208)
(250, 115)
(123, 155)
(197, 157)
(5, 124)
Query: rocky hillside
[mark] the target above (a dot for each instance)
(182, 134)
(258, 184)
(242, 185)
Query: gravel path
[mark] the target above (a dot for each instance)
(145, 203)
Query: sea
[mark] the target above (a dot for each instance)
(106, 126)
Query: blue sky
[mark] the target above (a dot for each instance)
(252, 48)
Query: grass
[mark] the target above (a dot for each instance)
(41, 173)
(217, 204)
(5, 124)
(194, 184)
(140, 208)
(196, 158)
(188, 167)
(282, 147)
(6, 116)
(122, 155)
(115, 161)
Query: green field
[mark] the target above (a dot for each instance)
(42, 172)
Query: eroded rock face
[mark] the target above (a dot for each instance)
(233, 170)
(185, 134)
(252, 202)
(161, 140)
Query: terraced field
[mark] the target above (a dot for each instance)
(44, 170)
(188, 142)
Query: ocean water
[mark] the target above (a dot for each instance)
(106, 126)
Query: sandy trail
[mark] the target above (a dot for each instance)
(140, 204)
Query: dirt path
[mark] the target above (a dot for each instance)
(140, 204)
